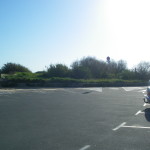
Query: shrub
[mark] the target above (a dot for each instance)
(12, 68)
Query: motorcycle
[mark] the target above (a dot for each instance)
(147, 96)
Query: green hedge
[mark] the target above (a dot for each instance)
(68, 82)
(37, 79)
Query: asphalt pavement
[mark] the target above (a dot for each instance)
(74, 119)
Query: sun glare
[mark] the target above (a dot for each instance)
(128, 25)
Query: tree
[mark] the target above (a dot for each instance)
(114, 68)
(95, 68)
(13, 67)
(81, 73)
(127, 75)
(121, 66)
(143, 70)
(58, 70)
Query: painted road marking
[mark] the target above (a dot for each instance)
(146, 104)
(114, 88)
(11, 91)
(5, 93)
(132, 88)
(118, 127)
(85, 147)
(143, 91)
(68, 90)
(123, 125)
(136, 127)
(99, 89)
(139, 112)
(96, 89)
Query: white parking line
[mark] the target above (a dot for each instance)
(146, 104)
(85, 147)
(68, 90)
(134, 126)
(6, 93)
(132, 88)
(118, 127)
(142, 91)
(137, 127)
(139, 112)
(114, 88)
(98, 89)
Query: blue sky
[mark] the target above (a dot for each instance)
(37, 33)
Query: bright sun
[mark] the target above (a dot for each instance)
(128, 26)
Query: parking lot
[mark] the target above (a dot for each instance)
(74, 119)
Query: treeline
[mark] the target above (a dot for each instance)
(88, 68)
